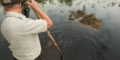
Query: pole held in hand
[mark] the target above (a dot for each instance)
(38, 16)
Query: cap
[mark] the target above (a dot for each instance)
(8, 2)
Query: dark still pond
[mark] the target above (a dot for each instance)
(77, 40)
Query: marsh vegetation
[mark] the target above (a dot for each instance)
(88, 20)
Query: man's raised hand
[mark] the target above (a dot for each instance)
(33, 4)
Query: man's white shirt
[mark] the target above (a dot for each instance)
(22, 34)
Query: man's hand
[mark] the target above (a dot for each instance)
(33, 4)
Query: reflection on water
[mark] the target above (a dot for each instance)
(49, 52)
(76, 41)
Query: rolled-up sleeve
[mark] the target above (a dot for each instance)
(34, 26)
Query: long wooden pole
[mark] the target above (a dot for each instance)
(38, 16)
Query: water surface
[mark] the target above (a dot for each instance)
(77, 41)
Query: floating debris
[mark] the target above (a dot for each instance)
(93, 5)
(71, 15)
(71, 19)
(80, 13)
(91, 20)
(61, 11)
(77, 14)
(84, 7)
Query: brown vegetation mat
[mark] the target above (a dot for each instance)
(90, 19)
(76, 15)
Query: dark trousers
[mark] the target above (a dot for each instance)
(38, 58)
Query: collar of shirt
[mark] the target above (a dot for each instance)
(15, 14)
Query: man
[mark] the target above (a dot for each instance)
(22, 32)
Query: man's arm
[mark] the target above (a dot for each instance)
(35, 6)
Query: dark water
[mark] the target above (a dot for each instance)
(77, 41)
